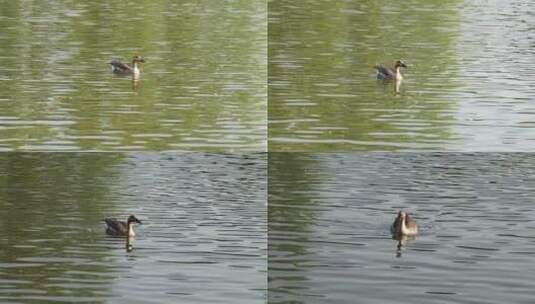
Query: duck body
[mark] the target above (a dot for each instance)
(404, 225)
(386, 73)
(115, 227)
(120, 68)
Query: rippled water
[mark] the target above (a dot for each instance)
(203, 237)
(203, 86)
(469, 86)
(329, 218)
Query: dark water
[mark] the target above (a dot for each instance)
(329, 218)
(203, 86)
(469, 86)
(203, 237)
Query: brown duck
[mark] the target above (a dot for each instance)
(385, 73)
(404, 225)
(119, 228)
(120, 68)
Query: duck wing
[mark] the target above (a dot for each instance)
(395, 228)
(384, 72)
(411, 224)
(118, 66)
(116, 227)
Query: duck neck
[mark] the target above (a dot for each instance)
(398, 73)
(135, 68)
(131, 229)
(404, 226)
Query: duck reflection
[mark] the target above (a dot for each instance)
(402, 242)
(129, 244)
(135, 83)
(397, 86)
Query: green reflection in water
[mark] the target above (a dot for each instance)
(291, 186)
(203, 86)
(323, 95)
(49, 205)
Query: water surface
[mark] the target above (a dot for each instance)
(203, 237)
(203, 86)
(470, 84)
(329, 218)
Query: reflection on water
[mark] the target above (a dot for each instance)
(403, 241)
(129, 246)
(203, 237)
(330, 218)
(469, 84)
(203, 86)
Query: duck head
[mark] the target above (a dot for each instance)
(404, 216)
(138, 59)
(400, 63)
(133, 219)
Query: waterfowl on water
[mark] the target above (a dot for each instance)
(119, 228)
(404, 225)
(385, 73)
(125, 69)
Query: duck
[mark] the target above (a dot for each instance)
(119, 228)
(120, 68)
(384, 73)
(404, 225)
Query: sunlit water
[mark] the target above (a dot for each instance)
(203, 86)
(329, 219)
(470, 84)
(203, 237)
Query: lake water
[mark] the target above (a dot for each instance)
(330, 214)
(203, 86)
(203, 237)
(469, 85)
